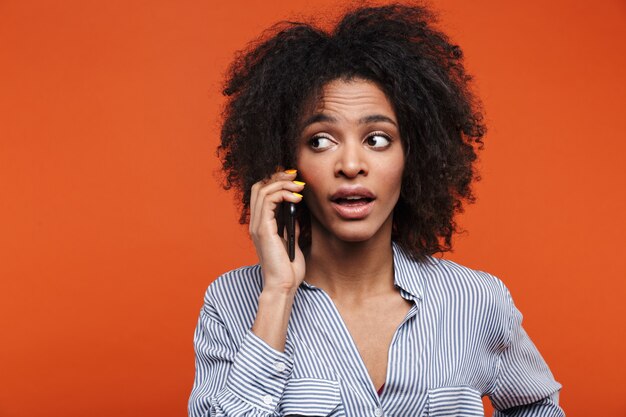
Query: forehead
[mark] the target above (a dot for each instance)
(353, 96)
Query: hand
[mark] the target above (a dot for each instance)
(279, 274)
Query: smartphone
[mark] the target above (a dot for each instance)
(286, 218)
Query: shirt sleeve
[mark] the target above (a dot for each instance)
(524, 386)
(231, 380)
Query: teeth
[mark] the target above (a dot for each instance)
(354, 198)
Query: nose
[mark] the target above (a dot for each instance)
(351, 161)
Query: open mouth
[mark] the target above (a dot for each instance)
(353, 201)
(353, 207)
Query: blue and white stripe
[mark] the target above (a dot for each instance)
(461, 340)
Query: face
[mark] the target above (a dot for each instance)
(351, 157)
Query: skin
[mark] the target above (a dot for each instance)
(349, 137)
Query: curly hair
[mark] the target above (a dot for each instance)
(416, 66)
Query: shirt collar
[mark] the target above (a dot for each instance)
(409, 274)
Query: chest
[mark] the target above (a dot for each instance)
(422, 351)
(372, 329)
(342, 354)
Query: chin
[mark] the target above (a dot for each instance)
(354, 233)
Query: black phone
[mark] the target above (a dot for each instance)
(287, 219)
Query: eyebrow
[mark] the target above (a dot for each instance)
(321, 117)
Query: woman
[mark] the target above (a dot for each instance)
(379, 130)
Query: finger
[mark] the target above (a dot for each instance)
(271, 202)
(271, 188)
(288, 175)
(298, 230)
(253, 196)
(266, 228)
(259, 191)
(285, 237)
(256, 202)
(299, 253)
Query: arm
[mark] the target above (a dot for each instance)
(231, 380)
(524, 386)
(546, 407)
(247, 378)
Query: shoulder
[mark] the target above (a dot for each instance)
(445, 273)
(470, 301)
(448, 282)
(232, 298)
(440, 274)
(442, 277)
(246, 281)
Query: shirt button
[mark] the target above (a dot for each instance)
(267, 399)
(378, 412)
(279, 366)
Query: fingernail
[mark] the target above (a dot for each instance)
(299, 182)
(291, 171)
(297, 195)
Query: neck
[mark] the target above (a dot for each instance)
(350, 270)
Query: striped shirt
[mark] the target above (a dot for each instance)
(462, 339)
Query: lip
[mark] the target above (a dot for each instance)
(353, 211)
(352, 191)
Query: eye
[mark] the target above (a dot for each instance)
(378, 140)
(320, 143)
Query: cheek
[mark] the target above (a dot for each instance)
(303, 164)
(398, 174)
(393, 174)
(309, 172)
(312, 167)
(304, 161)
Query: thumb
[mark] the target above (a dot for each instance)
(298, 231)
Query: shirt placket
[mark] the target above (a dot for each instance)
(405, 381)
(359, 396)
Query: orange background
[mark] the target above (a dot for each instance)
(112, 223)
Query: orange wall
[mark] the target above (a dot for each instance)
(112, 223)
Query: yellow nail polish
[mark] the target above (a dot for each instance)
(291, 171)
(299, 182)
(297, 195)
